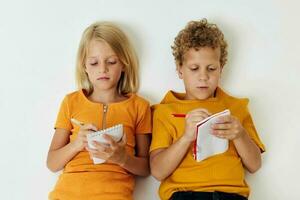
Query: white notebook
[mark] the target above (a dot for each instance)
(206, 144)
(116, 132)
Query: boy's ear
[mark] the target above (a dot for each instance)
(221, 71)
(179, 71)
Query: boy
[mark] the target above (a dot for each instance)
(200, 52)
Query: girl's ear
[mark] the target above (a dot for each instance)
(179, 71)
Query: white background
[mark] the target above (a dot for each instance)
(38, 44)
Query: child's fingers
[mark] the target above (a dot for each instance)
(198, 112)
(101, 155)
(221, 133)
(123, 142)
(90, 127)
(225, 126)
(201, 115)
(110, 141)
(224, 119)
(91, 150)
(197, 118)
(99, 145)
(100, 148)
(201, 110)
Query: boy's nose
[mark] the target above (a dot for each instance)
(203, 76)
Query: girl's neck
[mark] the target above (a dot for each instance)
(106, 96)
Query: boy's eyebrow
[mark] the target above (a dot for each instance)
(198, 65)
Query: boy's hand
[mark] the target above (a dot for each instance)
(81, 141)
(191, 120)
(112, 152)
(228, 127)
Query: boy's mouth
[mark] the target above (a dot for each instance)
(202, 87)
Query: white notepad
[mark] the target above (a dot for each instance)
(206, 144)
(116, 132)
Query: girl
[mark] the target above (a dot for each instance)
(107, 76)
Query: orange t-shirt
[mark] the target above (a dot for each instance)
(81, 179)
(223, 172)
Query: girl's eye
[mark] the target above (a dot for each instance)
(112, 62)
(93, 64)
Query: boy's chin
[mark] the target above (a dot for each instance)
(200, 95)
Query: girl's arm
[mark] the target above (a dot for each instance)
(165, 160)
(139, 164)
(61, 150)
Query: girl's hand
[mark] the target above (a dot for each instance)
(112, 152)
(81, 141)
(191, 120)
(228, 127)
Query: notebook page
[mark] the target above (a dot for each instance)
(206, 144)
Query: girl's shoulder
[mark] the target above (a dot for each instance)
(137, 99)
(75, 96)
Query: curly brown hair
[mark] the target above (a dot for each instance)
(199, 34)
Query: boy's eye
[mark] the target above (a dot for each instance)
(193, 68)
(212, 68)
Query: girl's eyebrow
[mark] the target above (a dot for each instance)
(107, 57)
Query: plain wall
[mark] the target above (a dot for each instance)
(38, 45)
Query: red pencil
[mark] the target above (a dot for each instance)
(179, 115)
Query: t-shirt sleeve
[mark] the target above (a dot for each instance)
(143, 125)
(250, 128)
(63, 117)
(161, 134)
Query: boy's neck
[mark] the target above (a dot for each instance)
(188, 97)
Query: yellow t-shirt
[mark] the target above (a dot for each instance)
(81, 179)
(223, 172)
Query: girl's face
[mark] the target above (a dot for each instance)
(201, 72)
(103, 66)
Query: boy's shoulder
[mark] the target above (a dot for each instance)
(169, 102)
(172, 99)
(232, 101)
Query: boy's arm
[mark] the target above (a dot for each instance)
(164, 161)
(248, 151)
(229, 127)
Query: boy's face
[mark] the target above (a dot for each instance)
(201, 72)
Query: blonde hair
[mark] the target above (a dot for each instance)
(118, 41)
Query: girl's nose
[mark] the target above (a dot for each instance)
(102, 68)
